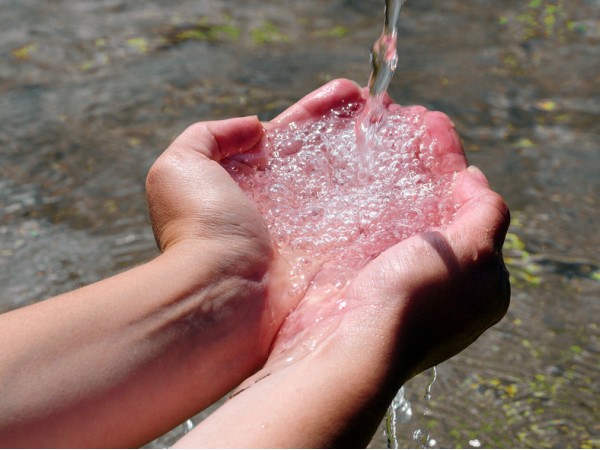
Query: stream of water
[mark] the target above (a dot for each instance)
(92, 92)
(384, 58)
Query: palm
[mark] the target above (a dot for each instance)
(402, 286)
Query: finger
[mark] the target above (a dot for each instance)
(447, 149)
(483, 216)
(334, 94)
(477, 234)
(219, 139)
(188, 171)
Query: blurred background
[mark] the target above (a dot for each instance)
(92, 91)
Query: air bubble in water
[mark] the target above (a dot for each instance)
(312, 202)
(399, 411)
(424, 439)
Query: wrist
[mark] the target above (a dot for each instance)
(212, 288)
(153, 335)
(338, 379)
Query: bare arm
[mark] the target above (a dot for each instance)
(419, 303)
(120, 362)
(120, 359)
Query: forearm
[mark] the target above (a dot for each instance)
(333, 397)
(122, 360)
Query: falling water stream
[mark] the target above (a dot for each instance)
(420, 436)
(92, 92)
(384, 59)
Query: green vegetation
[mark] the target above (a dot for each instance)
(24, 52)
(205, 30)
(268, 33)
(335, 32)
(520, 263)
(543, 18)
(138, 43)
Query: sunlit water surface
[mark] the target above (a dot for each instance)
(92, 91)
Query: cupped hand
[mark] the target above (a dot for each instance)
(192, 199)
(438, 291)
(340, 355)
(201, 217)
(422, 300)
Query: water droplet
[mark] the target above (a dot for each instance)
(427, 394)
(187, 426)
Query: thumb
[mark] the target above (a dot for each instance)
(221, 138)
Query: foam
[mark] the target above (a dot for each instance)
(344, 204)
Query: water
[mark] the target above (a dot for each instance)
(85, 113)
(313, 204)
(399, 411)
(346, 187)
(422, 436)
(427, 395)
(384, 58)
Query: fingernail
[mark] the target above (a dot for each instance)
(356, 84)
(253, 116)
(478, 174)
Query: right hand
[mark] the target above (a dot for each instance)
(426, 298)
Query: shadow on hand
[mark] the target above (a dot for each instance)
(451, 308)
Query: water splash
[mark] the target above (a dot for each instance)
(400, 411)
(384, 59)
(383, 53)
(424, 439)
(421, 436)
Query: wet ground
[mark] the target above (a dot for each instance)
(92, 91)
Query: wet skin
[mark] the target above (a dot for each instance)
(119, 362)
(418, 303)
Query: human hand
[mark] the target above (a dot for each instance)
(430, 295)
(205, 221)
(341, 355)
(193, 200)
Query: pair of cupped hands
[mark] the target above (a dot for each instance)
(415, 305)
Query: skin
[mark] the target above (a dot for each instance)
(416, 305)
(121, 361)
